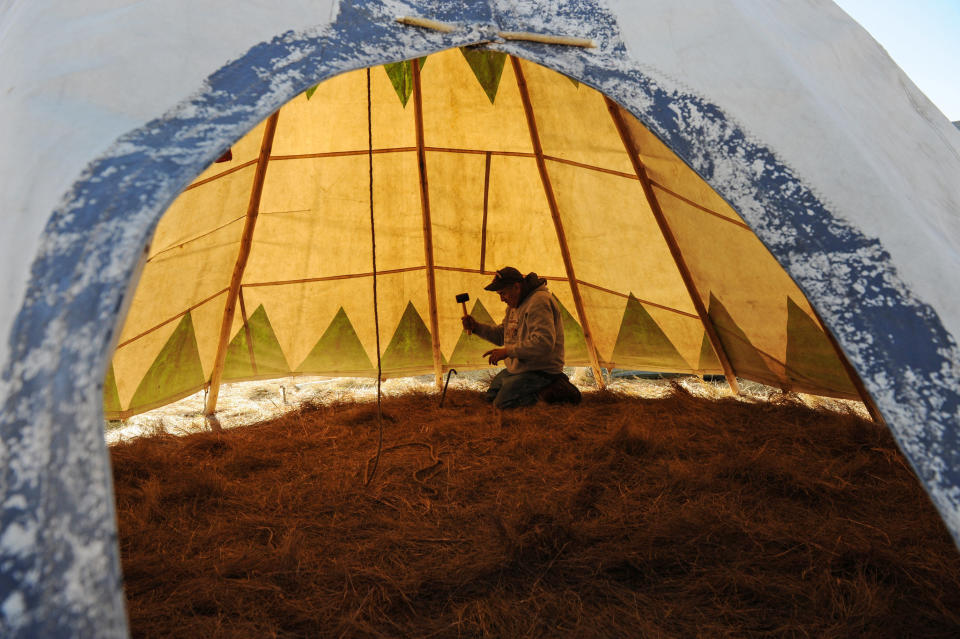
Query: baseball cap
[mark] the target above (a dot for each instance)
(504, 278)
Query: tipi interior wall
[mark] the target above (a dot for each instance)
(262, 267)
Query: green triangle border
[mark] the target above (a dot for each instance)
(487, 67)
(411, 346)
(269, 359)
(339, 330)
(814, 347)
(637, 321)
(401, 77)
(469, 348)
(165, 379)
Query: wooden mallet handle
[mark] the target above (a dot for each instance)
(463, 298)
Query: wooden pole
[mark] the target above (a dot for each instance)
(486, 202)
(427, 225)
(547, 39)
(426, 23)
(557, 222)
(851, 373)
(246, 240)
(671, 240)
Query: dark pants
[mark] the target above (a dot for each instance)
(512, 390)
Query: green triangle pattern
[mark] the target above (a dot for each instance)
(267, 352)
(176, 369)
(411, 347)
(338, 351)
(236, 363)
(574, 343)
(401, 77)
(642, 343)
(811, 357)
(470, 348)
(111, 396)
(309, 92)
(744, 358)
(487, 66)
(708, 357)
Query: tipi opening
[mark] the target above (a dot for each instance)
(550, 518)
(474, 160)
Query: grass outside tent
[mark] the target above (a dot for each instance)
(629, 516)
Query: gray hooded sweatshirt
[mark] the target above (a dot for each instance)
(532, 333)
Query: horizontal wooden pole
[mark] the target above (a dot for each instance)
(544, 38)
(427, 23)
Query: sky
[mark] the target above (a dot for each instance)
(923, 38)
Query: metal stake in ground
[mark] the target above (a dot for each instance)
(443, 395)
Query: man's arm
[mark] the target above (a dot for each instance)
(490, 333)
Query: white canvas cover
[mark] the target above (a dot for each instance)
(789, 112)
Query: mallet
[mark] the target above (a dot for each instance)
(463, 298)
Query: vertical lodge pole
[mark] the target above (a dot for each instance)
(486, 205)
(557, 222)
(427, 225)
(246, 239)
(668, 236)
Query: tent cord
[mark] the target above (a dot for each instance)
(421, 475)
(368, 476)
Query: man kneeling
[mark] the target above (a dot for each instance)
(530, 340)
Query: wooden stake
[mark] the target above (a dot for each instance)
(688, 282)
(246, 240)
(426, 23)
(547, 39)
(427, 225)
(851, 373)
(557, 222)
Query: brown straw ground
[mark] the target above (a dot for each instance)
(623, 517)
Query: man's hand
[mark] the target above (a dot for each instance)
(495, 355)
(469, 324)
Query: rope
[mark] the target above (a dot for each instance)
(368, 476)
(421, 475)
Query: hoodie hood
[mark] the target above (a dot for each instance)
(531, 282)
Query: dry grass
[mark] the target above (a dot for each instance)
(680, 516)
